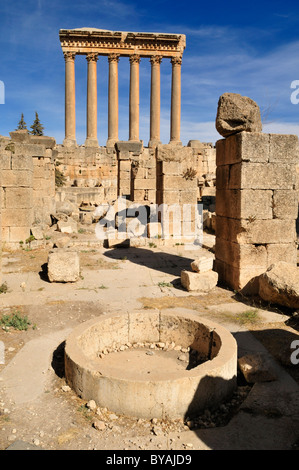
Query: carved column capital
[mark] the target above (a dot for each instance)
(134, 59)
(69, 55)
(156, 59)
(113, 57)
(176, 60)
(92, 56)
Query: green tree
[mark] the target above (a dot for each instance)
(37, 128)
(22, 124)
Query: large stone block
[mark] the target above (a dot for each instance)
(236, 113)
(17, 178)
(282, 252)
(18, 198)
(173, 153)
(16, 218)
(243, 147)
(179, 183)
(63, 265)
(199, 282)
(241, 255)
(261, 176)
(280, 285)
(5, 161)
(21, 162)
(17, 234)
(256, 231)
(283, 148)
(29, 150)
(285, 204)
(244, 204)
(244, 279)
(144, 183)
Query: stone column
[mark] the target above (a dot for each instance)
(91, 134)
(70, 108)
(113, 100)
(176, 101)
(134, 98)
(155, 102)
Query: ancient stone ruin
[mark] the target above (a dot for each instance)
(241, 193)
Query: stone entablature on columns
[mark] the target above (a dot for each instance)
(115, 44)
(104, 42)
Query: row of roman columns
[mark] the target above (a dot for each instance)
(91, 133)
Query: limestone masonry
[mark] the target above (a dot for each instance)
(247, 185)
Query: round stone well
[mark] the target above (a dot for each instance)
(152, 364)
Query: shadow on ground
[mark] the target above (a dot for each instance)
(165, 262)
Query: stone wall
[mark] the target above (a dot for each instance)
(27, 186)
(256, 206)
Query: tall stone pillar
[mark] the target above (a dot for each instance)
(70, 100)
(134, 98)
(155, 101)
(113, 100)
(256, 206)
(176, 101)
(91, 134)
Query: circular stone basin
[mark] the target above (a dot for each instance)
(152, 364)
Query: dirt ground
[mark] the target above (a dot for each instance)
(49, 415)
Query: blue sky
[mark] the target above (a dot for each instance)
(251, 48)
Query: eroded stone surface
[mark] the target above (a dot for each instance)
(280, 285)
(237, 113)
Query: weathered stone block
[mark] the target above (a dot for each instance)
(5, 161)
(283, 148)
(282, 252)
(202, 265)
(125, 165)
(170, 168)
(285, 204)
(236, 113)
(13, 178)
(200, 282)
(245, 278)
(17, 234)
(261, 176)
(188, 197)
(21, 162)
(21, 135)
(171, 197)
(18, 198)
(243, 147)
(29, 150)
(256, 231)
(68, 226)
(63, 266)
(16, 218)
(280, 285)
(241, 255)
(48, 142)
(244, 204)
(127, 146)
(144, 183)
(256, 368)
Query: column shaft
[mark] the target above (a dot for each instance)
(91, 131)
(176, 101)
(70, 100)
(134, 98)
(113, 100)
(155, 101)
